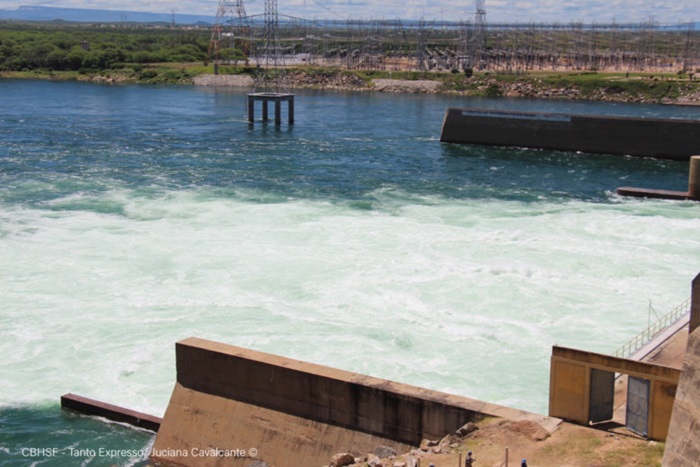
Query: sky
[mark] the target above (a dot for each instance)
(587, 11)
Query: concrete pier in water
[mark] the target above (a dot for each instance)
(693, 192)
(87, 406)
(265, 98)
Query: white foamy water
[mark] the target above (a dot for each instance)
(462, 296)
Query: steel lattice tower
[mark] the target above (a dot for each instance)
(687, 65)
(230, 31)
(269, 54)
(421, 46)
(268, 77)
(479, 39)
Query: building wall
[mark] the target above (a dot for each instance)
(569, 382)
(570, 377)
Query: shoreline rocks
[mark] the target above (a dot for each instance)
(529, 88)
(243, 81)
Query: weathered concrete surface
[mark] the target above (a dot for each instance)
(683, 443)
(648, 137)
(654, 194)
(89, 406)
(296, 413)
(694, 177)
(197, 422)
(693, 192)
(695, 305)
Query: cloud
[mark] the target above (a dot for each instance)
(622, 11)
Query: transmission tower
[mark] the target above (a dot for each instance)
(422, 46)
(269, 56)
(231, 31)
(480, 34)
(268, 78)
(687, 66)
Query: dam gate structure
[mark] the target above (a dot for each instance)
(645, 137)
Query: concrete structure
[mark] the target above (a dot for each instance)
(662, 402)
(265, 98)
(695, 305)
(234, 406)
(582, 387)
(654, 194)
(97, 408)
(228, 400)
(683, 444)
(693, 192)
(694, 177)
(647, 137)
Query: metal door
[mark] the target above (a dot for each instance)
(638, 405)
(602, 395)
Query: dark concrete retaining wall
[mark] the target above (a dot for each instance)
(115, 413)
(228, 397)
(648, 137)
(404, 413)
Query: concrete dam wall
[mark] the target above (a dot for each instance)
(644, 137)
(228, 400)
(683, 444)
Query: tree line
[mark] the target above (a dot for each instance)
(26, 47)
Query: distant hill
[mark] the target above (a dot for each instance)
(80, 15)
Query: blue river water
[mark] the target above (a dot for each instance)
(134, 216)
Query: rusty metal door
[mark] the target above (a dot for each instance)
(602, 395)
(638, 405)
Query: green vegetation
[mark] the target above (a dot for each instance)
(90, 49)
(587, 85)
(643, 86)
(650, 455)
(151, 54)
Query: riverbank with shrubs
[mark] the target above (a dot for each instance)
(148, 55)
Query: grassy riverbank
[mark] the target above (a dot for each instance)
(623, 87)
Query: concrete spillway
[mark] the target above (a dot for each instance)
(646, 137)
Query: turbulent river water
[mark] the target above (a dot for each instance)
(132, 217)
